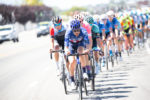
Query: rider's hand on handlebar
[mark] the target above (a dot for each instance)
(50, 51)
(87, 51)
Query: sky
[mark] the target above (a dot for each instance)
(65, 4)
(62, 4)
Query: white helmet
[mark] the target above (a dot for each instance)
(96, 17)
(103, 16)
(110, 13)
(78, 17)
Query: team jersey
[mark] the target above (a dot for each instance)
(100, 25)
(88, 28)
(54, 33)
(107, 26)
(139, 20)
(71, 38)
(125, 25)
(114, 22)
(143, 17)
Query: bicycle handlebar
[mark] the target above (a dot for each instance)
(76, 54)
(53, 51)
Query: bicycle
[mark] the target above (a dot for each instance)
(64, 70)
(79, 82)
(92, 63)
(106, 52)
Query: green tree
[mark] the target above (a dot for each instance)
(33, 2)
(74, 9)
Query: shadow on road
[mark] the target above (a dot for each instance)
(112, 85)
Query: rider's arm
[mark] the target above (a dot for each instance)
(66, 42)
(51, 38)
(103, 34)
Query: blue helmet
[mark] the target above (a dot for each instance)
(75, 24)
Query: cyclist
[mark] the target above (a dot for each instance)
(101, 28)
(75, 40)
(85, 25)
(57, 34)
(108, 30)
(115, 32)
(125, 24)
(95, 40)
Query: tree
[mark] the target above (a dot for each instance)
(74, 10)
(33, 2)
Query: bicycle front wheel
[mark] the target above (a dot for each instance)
(64, 79)
(79, 72)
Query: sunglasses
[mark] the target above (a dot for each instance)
(57, 24)
(76, 30)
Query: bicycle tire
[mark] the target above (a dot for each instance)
(112, 61)
(64, 80)
(80, 81)
(93, 78)
(85, 87)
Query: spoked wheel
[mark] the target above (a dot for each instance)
(100, 61)
(85, 88)
(80, 81)
(93, 78)
(107, 62)
(106, 55)
(64, 80)
(112, 61)
(128, 52)
(116, 57)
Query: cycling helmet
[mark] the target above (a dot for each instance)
(96, 17)
(104, 16)
(95, 29)
(78, 17)
(57, 20)
(75, 24)
(89, 19)
(110, 13)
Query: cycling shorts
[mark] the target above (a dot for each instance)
(73, 47)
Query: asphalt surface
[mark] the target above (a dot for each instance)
(27, 73)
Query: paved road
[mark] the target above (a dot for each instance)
(27, 73)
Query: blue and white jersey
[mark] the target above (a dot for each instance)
(71, 38)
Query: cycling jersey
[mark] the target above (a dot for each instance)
(101, 26)
(88, 28)
(58, 35)
(73, 42)
(143, 17)
(114, 22)
(54, 33)
(125, 24)
(95, 35)
(107, 27)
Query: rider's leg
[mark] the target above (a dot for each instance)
(131, 41)
(83, 61)
(126, 42)
(72, 67)
(56, 56)
(88, 67)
